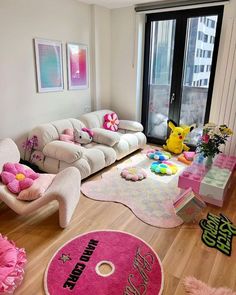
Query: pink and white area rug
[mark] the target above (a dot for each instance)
(78, 266)
(151, 199)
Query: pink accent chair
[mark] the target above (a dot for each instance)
(65, 188)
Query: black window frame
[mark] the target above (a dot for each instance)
(181, 17)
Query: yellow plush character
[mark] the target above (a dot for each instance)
(175, 142)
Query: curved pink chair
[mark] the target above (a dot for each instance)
(65, 188)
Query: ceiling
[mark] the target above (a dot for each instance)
(116, 3)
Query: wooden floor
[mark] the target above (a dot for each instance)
(180, 249)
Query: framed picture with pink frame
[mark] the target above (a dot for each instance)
(77, 66)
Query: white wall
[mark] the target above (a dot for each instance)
(101, 56)
(123, 65)
(21, 107)
(223, 108)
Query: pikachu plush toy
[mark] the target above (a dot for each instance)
(175, 142)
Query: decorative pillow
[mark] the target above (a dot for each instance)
(12, 262)
(38, 188)
(17, 177)
(111, 122)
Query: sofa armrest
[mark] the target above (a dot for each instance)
(63, 151)
(106, 137)
(130, 125)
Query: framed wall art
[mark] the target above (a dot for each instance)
(77, 66)
(49, 65)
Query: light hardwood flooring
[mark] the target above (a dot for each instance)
(180, 249)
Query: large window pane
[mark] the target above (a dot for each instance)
(197, 70)
(161, 60)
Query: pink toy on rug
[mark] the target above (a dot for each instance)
(196, 287)
(133, 173)
(17, 177)
(76, 268)
(12, 262)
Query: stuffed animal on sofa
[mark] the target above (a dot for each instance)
(83, 136)
(67, 135)
(175, 142)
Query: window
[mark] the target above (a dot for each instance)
(212, 24)
(178, 82)
(208, 68)
(199, 35)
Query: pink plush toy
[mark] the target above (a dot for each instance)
(67, 136)
(17, 177)
(12, 262)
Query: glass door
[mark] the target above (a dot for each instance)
(180, 58)
(161, 64)
(200, 42)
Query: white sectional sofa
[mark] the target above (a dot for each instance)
(52, 155)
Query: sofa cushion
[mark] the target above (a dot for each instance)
(63, 151)
(94, 119)
(130, 125)
(8, 152)
(106, 137)
(38, 188)
(47, 133)
(108, 152)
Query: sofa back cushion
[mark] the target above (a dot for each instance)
(94, 119)
(8, 152)
(51, 131)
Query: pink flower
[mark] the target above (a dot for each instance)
(17, 177)
(111, 122)
(133, 173)
(205, 138)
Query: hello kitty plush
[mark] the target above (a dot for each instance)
(83, 136)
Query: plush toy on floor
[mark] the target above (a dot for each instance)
(175, 142)
(158, 155)
(164, 168)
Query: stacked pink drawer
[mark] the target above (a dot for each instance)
(211, 184)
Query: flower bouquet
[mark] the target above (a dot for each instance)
(30, 146)
(212, 138)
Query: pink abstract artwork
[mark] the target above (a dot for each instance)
(77, 66)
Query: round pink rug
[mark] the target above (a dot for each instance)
(104, 263)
